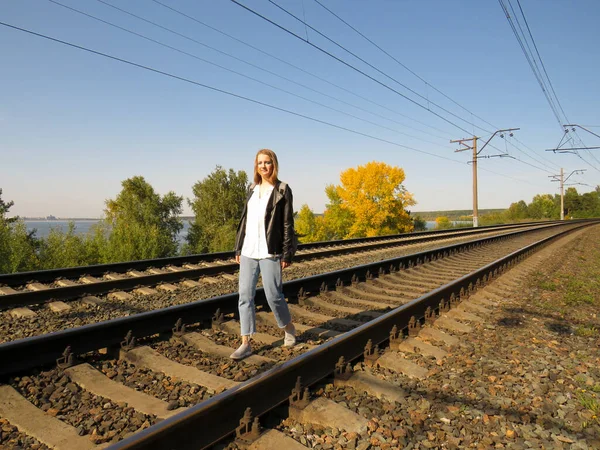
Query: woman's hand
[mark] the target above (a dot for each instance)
(237, 259)
(285, 264)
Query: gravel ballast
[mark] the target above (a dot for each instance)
(529, 377)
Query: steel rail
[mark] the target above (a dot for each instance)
(44, 276)
(27, 298)
(212, 420)
(25, 354)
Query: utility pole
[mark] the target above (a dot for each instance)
(474, 162)
(562, 181)
(473, 147)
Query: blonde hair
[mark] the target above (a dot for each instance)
(271, 154)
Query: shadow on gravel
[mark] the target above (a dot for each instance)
(555, 323)
(511, 322)
(559, 327)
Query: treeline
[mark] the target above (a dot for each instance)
(141, 224)
(542, 207)
(137, 224)
(456, 215)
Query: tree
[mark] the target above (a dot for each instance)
(419, 224)
(66, 249)
(442, 223)
(590, 204)
(17, 245)
(372, 200)
(517, 211)
(572, 201)
(142, 224)
(543, 207)
(336, 221)
(4, 208)
(218, 204)
(305, 224)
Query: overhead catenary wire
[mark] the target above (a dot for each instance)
(238, 96)
(529, 57)
(541, 60)
(372, 66)
(347, 64)
(427, 84)
(231, 70)
(222, 91)
(541, 75)
(253, 65)
(277, 58)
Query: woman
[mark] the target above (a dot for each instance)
(264, 244)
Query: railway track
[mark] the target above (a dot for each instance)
(170, 274)
(21, 322)
(337, 314)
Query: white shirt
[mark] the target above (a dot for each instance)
(255, 241)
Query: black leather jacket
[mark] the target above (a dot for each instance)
(279, 223)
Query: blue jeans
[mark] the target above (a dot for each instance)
(270, 268)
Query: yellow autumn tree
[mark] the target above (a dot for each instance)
(442, 223)
(370, 201)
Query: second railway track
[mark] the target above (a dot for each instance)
(135, 292)
(169, 274)
(338, 312)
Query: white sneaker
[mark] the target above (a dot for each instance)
(242, 352)
(289, 339)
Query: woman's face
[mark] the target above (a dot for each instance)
(265, 166)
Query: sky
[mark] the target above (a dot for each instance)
(75, 124)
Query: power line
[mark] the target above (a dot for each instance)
(358, 57)
(529, 56)
(270, 55)
(428, 84)
(222, 91)
(541, 60)
(401, 64)
(347, 64)
(533, 158)
(233, 94)
(228, 69)
(238, 96)
(370, 65)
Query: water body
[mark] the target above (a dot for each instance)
(43, 227)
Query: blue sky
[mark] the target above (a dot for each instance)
(74, 124)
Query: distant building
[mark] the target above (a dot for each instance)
(50, 217)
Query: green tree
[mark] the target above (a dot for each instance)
(4, 208)
(590, 205)
(572, 202)
(142, 224)
(17, 245)
(65, 249)
(543, 206)
(337, 220)
(517, 211)
(419, 224)
(442, 223)
(305, 224)
(218, 204)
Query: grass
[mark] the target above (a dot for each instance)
(547, 285)
(586, 331)
(580, 291)
(589, 402)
